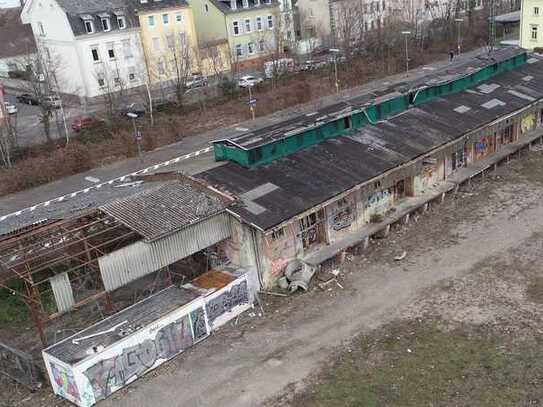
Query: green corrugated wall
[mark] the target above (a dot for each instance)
(267, 153)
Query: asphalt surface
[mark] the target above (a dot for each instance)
(11, 205)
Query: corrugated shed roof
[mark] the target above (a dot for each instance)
(165, 209)
(312, 176)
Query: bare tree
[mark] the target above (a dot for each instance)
(42, 83)
(182, 61)
(112, 87)
(8, 138)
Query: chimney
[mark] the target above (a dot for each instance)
(233, 4)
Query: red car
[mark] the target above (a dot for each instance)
(86, 122)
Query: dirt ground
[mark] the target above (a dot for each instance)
(457, 322)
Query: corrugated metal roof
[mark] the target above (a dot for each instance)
(165, 209)
(312, 176)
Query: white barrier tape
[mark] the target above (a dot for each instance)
(110, 182)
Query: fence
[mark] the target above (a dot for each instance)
(20, 367)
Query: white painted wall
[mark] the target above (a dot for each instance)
(77, 72)
(530, 19)
(120, 66)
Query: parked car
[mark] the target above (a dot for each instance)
(27, 99)
(86, 122)
(10, 109)
(135, 108)
(52, 101)
(249, 81)
(196, 81)
(278, 67)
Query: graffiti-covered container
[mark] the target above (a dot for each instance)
(92, 364)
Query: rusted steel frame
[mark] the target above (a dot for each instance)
(41, 235)
(35, 312)
(85, 301)
(64, 246)
(75, 255)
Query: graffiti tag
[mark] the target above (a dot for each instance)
(226, 301)
(65, 381)
(112, 373)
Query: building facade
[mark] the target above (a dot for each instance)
(93, 48)
(374, 165)
(251, 28)
(531, 24)
(168, 37)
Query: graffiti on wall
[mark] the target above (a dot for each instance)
(527, 123)
(227, 300)
(110, 374)
(65, 381)
(199, 327)
(379, 202)
(278, 265)
(342, 218)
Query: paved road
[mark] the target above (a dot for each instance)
(28, 198)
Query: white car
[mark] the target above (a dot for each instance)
(249, 81)
(10, 109)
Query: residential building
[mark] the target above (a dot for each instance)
(169, 39)
(17, 47)
(93, 46)
(531, 24)
(251, 28)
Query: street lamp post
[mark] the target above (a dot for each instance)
(406, 34)
(251, 107)
(459, 22)
(137, 135)
(336, 51)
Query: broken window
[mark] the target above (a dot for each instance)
(311, 229)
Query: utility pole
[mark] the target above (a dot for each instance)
(406, 34)
(492, 25)
(459, 22)
(251, 103)
(336, 52)
(137, 134)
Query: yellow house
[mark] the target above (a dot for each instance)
(168, 36)
(531, 24)
(249, 27)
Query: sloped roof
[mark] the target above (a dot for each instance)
(289, 186)
(166, 209)
(15, 37)
(75, 9)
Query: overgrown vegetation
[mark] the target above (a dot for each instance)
(13, 311)
(420, 364)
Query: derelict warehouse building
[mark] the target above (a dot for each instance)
(326, 181)
(283, 199)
